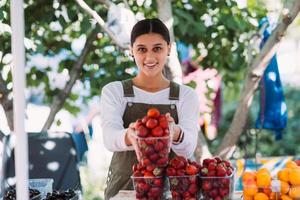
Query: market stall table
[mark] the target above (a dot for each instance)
(130, 195)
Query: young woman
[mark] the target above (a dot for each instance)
(122, 102)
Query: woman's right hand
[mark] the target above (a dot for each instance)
(131, 139)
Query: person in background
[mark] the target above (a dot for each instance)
(123, 102)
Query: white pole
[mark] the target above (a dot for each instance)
(18, 54)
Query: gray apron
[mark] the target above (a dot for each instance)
(120, 168)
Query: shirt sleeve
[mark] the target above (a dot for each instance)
(188, 115)
(111, 112)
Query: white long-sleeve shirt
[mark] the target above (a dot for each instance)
(113, 104)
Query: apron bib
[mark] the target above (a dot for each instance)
(120, 168)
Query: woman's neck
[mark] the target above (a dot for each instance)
(151, 84)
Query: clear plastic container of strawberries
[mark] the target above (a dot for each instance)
(183, 176)
(153, 138)
(217, 179)
(153, 143)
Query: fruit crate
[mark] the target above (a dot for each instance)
(43, 185)
(279, 190)
(148, 187)
(184, 187)
(217, 187)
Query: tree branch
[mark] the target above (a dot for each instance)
(59, 100)
(254, 74)
(101, 22)
(6, 103)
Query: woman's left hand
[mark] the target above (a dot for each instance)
(176, 129)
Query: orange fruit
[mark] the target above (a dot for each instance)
(249, 188)
(284, 187)
(294, 192)
(265, 170)
(285, 197)
(245, 197)
(294, 176)
(290, 164)
(261, 196)
(283, 174)
(263, 179)
(248, 176)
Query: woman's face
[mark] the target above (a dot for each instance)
(150, 52)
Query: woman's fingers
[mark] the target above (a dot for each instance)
(169, 117)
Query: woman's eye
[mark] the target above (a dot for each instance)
(142, 50)
(156, 49)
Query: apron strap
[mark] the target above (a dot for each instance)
(174, 91)
(127, 88)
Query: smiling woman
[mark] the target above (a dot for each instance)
(123, 102)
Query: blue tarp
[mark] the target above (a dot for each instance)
(273, 109)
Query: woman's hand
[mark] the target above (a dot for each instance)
(131, 139)
(176, 129)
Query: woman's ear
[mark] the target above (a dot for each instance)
(169, 49)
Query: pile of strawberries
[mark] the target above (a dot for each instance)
(153, 143)
(153, 138)
(217, 179)
(183, 178)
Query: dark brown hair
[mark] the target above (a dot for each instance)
(145, 26)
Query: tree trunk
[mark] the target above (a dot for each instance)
(174, 71)
(255, 73)
(59, 100)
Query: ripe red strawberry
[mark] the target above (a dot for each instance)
(177, 162)
(193, 189)
(158, 182)
(218, 159)
(227, 163)
(213, 193)
(157, 132)
(142, 131)
(145, 161)
(148, 174)
(166, 132)
(153, 112)
(162, 162)
(143, 187)
(155, 192)
(154, 157)
(223, 192)
(206, 185)
(150, 141)
(211, 166)
(151, 123)
(150, 168)
(163, 123)
(180, 172)
(191, 169)
(158, 146)
(149, 150)
(211, 173)
(221, 171)
(145, 119)
(138, 123)
(171, 171)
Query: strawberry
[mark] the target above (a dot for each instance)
(149, 151)
(193, 189)
(145, 161)
(206, 185)
(171, 171)
(157, 132)
(158, 146)
(153, 112)
(151, 123)
(180, 172)
(154, 157)
(191, 169)
(211, 166)
(145, 119)
(155, 192)
(158, 182)
(142, 187)
(177, 163)
(211, 173)
(223, 192)
(150, 168)
(138, 123)
(162, 162)
(218, 159)
(142, 131)
(227, 163)
(221, 170)
(164, 123)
